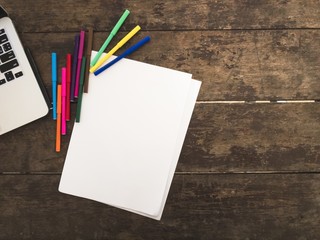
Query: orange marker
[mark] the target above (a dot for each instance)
(58, 131)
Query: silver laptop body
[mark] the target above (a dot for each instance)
(21, 98)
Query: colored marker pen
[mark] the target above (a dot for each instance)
(63, 101)
(54, 84)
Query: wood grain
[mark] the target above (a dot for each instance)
(233, 65)
(64, 16)
(246, 171)
(221, 138)
(252, 137)
(198, 207)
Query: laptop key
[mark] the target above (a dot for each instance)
(9, 65)
(18, 74)
(2, 31)
(9, 76)
(1, 50)
(2, 81)
(7, 56)
(7, 47)
(3, 38)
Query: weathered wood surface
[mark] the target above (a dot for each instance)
(221, 138)
(245, 206)
(241, 51)
(53, 15)
(233, 65)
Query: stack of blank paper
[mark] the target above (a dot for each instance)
(126, 147)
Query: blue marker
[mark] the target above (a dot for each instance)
(124, 54)
(54, 84)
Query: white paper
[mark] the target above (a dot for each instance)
(125, 149)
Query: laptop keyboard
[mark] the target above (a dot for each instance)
(8, 61)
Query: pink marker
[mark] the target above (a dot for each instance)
(63, 101)
(80, 54)
(68, 69)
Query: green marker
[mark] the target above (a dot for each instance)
(111, 35)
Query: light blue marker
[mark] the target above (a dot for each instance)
(54, 71)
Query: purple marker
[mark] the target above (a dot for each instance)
(74, 66)
(80, 54)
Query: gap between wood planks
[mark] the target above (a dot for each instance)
(265, 172)
(259, 101)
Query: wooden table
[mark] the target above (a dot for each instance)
(249, 167)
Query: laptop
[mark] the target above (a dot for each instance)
(22, 95)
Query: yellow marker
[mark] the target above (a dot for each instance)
(113, 50)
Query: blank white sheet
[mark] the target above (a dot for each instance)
(125, 149)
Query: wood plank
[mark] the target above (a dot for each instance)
(241, 50)
(221, 138)
(235, 65)
(252, 137)
(52, 16)
(237, 206)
